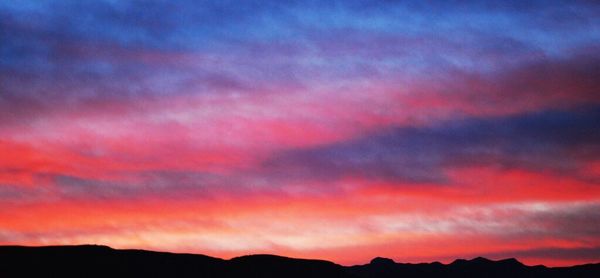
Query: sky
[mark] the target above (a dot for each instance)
(340, 130)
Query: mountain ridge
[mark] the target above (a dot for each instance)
(101, 260)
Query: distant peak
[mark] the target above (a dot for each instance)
(481, 260)
(93, 246)
(459, 261)
(382, 261)
(478, 260)
(511, 261)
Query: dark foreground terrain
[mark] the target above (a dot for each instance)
(102, 261)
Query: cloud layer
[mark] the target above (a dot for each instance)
(341, 130)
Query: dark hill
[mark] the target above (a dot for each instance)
(102, 261)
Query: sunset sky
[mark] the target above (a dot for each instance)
(334, 130)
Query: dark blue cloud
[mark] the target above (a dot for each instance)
(557, 141)
(163, 183)
(79, 52)
(264, 28)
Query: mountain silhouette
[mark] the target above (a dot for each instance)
(103, 261)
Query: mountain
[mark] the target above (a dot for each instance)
(102, 261)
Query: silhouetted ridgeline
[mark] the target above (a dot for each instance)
(92, 260)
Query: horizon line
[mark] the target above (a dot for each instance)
(296, 258)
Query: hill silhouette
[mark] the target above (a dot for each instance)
(103, 261)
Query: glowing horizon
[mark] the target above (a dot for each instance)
(340, 131)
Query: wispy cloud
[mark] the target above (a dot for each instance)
(339, 130)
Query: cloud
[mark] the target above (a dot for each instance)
(375, 121)
(78, 55)
(576, 222)
(531, 141)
